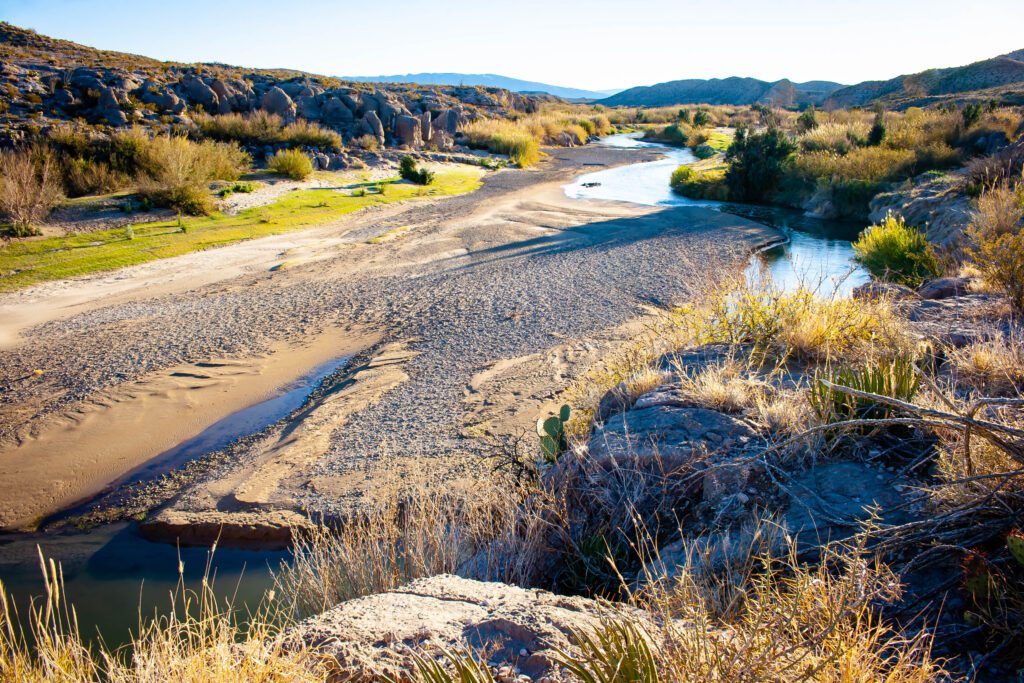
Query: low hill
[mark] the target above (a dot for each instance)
(489, 80)
(1000, 78)
(48, 80)
(733, 90)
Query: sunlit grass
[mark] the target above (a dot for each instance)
(32, 262)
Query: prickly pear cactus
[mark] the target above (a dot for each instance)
(551, 431)
(978, 579)
(1015, 542)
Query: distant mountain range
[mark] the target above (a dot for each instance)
(734, 90)
(1000, 78)
(488, 80)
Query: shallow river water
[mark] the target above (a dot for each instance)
(818, 252)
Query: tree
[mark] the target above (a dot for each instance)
(701, 118)
(877, 133)
(807, 120)
(757, 161)
(971, 113)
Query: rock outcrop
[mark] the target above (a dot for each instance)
(48, 84)
(370, 638)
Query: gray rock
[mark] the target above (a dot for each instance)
(334, 111)
(673, 434)
(307, 107)
(277, 101)
(64, 98)
(944, 288)
(371, 124)
(830, 500)
(200, 93)
(407, 130)
(370, 637)
(425, 126)
(883, 290)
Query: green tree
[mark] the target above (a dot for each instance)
(701, 118)
(807, 120)
(757, 161)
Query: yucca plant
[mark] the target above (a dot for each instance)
(618, 651)
(452, 667)
(896, 379)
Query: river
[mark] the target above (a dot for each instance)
(818, 253)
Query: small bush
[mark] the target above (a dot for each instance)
(367, 143)
(700, 185)
(408, 171)
(29, 188)
(291, 163)
(896, 379)
(704, 151)
(896, 252)
(302, 133)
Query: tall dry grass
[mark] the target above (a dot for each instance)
(199, 639)
(522, 138)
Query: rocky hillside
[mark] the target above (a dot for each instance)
(45, 81)
(1000, 78)
(734, 91)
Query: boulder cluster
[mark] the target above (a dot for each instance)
(397, 115)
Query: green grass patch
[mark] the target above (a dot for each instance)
(31, 262)
(719, 141)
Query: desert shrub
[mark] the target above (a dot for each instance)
(700, 184)
(257, 127)
(807, 120)
(896, 252)
(178, 172)
(971, 113)
(995, 169)
(701, 118)
(861, 163)
(292, 163)
(704, 151)
(367, 143)
(505, 137)
(29, 188)
(674, 134)
(834, 136)
(992, 367)
(757, 163)
(878, 131)
(83, 176)
(408, 171)
(796, 324)
(997, 241)
(302, 133)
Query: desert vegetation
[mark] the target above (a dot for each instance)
(836, 162)
(522, 138)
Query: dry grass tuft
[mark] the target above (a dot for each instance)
(994, 367)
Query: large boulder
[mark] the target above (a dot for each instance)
(370, 637)
(371, 124)
(407, 130)
(448, 121)
(425, 126)
(277, 101)
(308, 107)
(200, 93)
(335, 112)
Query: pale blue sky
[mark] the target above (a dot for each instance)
(591, 44)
